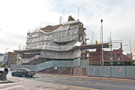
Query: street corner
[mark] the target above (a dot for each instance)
(12, 79)
(5, 81)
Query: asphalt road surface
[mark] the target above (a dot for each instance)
(96, 84)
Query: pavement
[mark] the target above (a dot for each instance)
(10, 79)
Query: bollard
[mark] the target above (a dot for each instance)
(1, 75)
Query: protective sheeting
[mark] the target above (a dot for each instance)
(54, 55)
(66, 39)
(26, 60)
(53, 40)
(61, 38)
(56, 42)
(61, 55)
(53, 46)
(112, 71)
(72, 22)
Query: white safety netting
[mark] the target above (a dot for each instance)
(54, 40)
(54, 55)
(58, 44)
(61, 55)
(26, 60)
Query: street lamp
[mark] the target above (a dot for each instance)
(102, 41)
(5, 55)
(6, 50)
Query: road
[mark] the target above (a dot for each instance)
(66, 82)
(86, 82)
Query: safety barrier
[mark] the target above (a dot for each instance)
(112, 71)
(84, 63)
(76, 62)
(1, 75)
(44, 65)
(99, 71)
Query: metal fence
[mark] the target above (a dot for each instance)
(112, 71)
(44, 65)
(96, 71)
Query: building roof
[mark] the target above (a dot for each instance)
(50, 28)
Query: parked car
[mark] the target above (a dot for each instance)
(23, 72)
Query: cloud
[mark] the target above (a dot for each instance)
(19, 16)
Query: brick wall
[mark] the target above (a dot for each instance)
(96, 56)
(12, 58)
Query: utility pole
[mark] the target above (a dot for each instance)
(130, 48)
(102, 42)
(130, 52)
(6, 56)
(111, 48)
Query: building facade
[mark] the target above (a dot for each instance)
(11, 58)
(115, 57)
(8, 58)
(129, 55)
(133, 51)
(1, 58)
(58, 42)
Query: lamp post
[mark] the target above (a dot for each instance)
(6, 50)
(102, 41)
(5, 55)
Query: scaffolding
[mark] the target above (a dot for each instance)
(59, 42)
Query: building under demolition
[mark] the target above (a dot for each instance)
(64, 44)
(54, 43)
(65, 41)
(62, 49)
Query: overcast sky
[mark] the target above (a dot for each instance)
(19, 16)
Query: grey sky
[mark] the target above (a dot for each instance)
(17, 16)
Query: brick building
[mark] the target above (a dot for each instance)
(129, 55)
(118, 57)
(11, 58)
